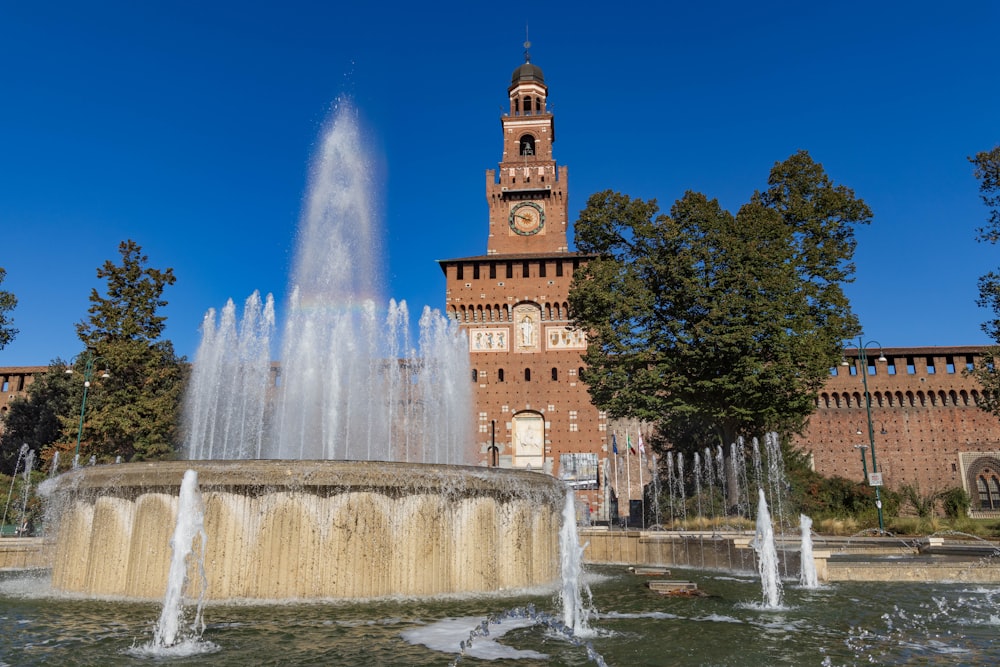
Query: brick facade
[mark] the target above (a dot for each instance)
(928, 428)
(14, 382)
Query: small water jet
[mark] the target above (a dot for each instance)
(10, 492)
(190, 526)
(571, 555)
(807, 566)
(767, 556)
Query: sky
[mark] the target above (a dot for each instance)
(189, 128)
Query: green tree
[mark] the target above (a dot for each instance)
(35, 419)
(135, 412)
(707, 320)
(987, 171)
(7, 303)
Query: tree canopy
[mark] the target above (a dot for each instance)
(132, 413)
(987, 172)
(708, 322)
(7, 303)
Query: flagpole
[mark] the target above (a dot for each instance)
(642, 492)
(618, 488)
(628, 474)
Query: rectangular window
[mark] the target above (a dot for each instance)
(493, 271)
(475, 272)
(890, 368)
(460, 272)
(510, 270)
(525, 270)
(968, 362)
(854, 369)
(541, 269)
(559, 269)
(949, 365)
(930, 366)
(910, 368)
(833, 370)
(872, 370)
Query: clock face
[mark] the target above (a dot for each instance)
(527, 218)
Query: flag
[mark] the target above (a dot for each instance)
(642, 447)
(628, 441)
(614, 444)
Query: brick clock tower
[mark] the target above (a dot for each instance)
(531, 409)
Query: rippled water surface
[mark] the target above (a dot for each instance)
(842, 624)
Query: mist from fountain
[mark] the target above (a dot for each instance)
(352, 383)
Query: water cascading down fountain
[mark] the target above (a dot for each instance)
(343, 472)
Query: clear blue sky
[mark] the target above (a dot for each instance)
(189, 127)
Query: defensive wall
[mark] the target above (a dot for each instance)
(928, 428)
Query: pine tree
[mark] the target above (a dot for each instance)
(133, 412)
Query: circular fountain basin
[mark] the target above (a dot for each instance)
(280, 530)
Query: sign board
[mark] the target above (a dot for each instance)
(874, 479)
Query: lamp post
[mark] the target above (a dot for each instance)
(88, 372)
(863, 356)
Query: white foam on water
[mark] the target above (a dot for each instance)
(448, 634)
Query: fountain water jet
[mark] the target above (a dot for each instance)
(807, 566)
(190, 526)
(767, 555)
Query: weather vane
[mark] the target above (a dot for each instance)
(527, 45)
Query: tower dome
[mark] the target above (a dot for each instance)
(527, 72)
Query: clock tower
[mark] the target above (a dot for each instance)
(527, 192)
(532, 410)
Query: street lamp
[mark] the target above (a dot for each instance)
(88, 372)
(864, 462)
(877, 480)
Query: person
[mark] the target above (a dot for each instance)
(26, 529)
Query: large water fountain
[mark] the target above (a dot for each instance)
(339, 473)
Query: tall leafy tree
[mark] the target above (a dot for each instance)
(987, 171)
(7, 303)
(708, 322)
(132, 413)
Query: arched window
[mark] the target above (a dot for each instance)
(527, 105)
(527, 144)
(989, 490)
(555, 374)
(527, 375)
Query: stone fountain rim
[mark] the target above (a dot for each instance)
(383, 476)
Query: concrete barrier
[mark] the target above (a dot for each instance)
(24, 553)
